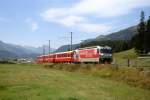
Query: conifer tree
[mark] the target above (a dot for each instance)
(147, 36)
(138, 40)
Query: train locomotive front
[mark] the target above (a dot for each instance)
(95, 54)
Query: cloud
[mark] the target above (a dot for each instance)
(32, 24)
(107, 8)
(71, 20)
(93, 28)
(78, 14)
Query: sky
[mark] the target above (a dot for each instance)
(34, 22)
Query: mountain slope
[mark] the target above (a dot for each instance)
(39, 50)
(125, 34)
(15, 51)
(66, 48)
(7, 54)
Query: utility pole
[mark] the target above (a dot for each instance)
(49, 46)
(71, 42)
(43, 52)
(43, 49)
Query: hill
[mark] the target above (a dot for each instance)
(125, 34)
(39, 50)
(67, 47)
(15, 51)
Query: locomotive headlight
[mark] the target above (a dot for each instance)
(101, 54)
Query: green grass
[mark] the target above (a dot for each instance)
(121, 59)
(126, 54)
(34, 82)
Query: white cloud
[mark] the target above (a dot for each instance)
(71, 20)
(108, 8)
(32, 24)
(93, 28)
(77, 14)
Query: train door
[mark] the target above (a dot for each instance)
(75, 57)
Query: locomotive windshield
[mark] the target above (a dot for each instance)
(105, 50)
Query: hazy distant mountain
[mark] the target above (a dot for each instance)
(125, 34)
(66, 48)
(7, 54)
(39, 50)
(16, 51)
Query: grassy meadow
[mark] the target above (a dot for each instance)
(121, 59)
(35, 82)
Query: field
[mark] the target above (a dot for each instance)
(121, 59)
(35, 82)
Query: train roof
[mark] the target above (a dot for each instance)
(100, 47)
(90, 47)
(63, 52)
(55, 53)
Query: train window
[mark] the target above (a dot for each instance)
(106, 51)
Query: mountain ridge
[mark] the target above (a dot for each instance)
(8, 50)
(123, 34)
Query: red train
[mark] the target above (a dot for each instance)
(94, 54)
